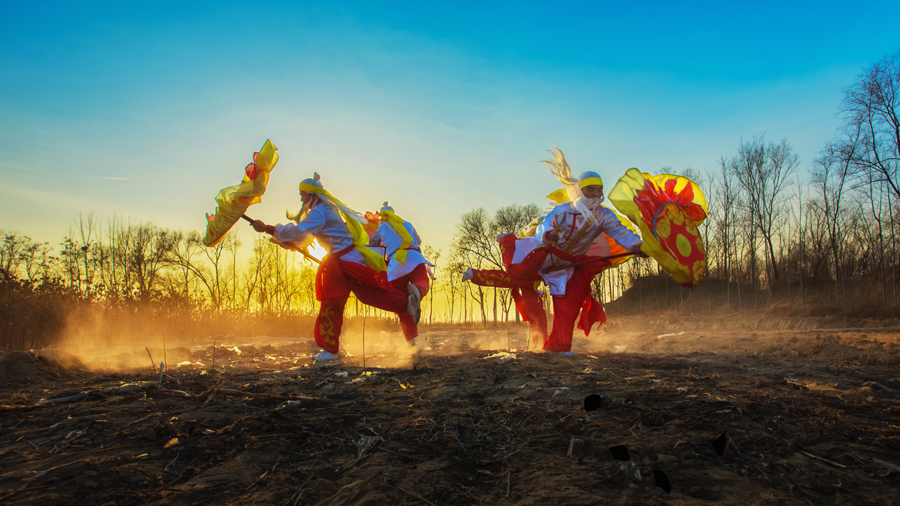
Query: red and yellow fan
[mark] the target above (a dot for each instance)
(668, 210)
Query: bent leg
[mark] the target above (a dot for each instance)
(565, 311)
(418, 278)
(498, 279)
(328, 324)
(363, 282)
(532, 310)
(530, 266)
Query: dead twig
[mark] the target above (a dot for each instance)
(152, 363)
(355, 484)
(299, 493)
(63, 400)
(213, 393)
(417, 496)
(162, 367)
(170, 391)
(886, 464)
(172, 462)
(263, 475)
(800, 489)
(267, 397)
(579, 408)
(167, 485)
(144, 386)
(822, 459)
(879, 386)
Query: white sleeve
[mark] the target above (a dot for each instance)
(610, 224)
(303, 231)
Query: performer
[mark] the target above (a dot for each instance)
(348, 267)
(575, 232)
(408, 270)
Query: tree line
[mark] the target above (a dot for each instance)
(826, 241)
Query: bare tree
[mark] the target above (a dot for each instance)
(724, 219)
(764, 171)
(433, 256)
(11, 251)
(870, 113)
(476, 245)
(831, 177)
(452, 276)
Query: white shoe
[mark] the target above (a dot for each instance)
(567, 353)
(325, 355)
(413, 307)
(468, 275)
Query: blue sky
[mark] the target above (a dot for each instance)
(147, 109)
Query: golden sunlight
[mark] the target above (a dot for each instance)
(315, 249)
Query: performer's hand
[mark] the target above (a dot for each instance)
(551, 237)
(641, 254)
(259, 226)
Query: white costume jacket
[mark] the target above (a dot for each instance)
(577, 236)
(324, 224)
(390, 240)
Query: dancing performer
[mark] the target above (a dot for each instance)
(408, 270)
(570, 246)
(348, 267)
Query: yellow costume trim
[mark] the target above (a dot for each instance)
(397, 223)
(592, 181)
(561, 196)
(360, 237)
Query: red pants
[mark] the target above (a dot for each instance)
(418, 277)
(335, 279)
(521, 277)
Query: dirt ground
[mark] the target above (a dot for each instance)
(806, 414)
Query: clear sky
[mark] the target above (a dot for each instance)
(147, 109)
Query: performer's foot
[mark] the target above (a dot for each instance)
(325, 355)
(569, 353)
(468, 275)
(414, 306)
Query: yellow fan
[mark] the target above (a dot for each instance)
(668, 210)
(233, 201)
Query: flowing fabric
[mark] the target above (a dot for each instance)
(354, 223)
(668, 210)
(233, 201)
(397, 223)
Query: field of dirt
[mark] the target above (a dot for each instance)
(715, 411)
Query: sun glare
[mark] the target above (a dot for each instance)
(315, 249)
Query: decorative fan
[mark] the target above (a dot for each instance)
(668, 210)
